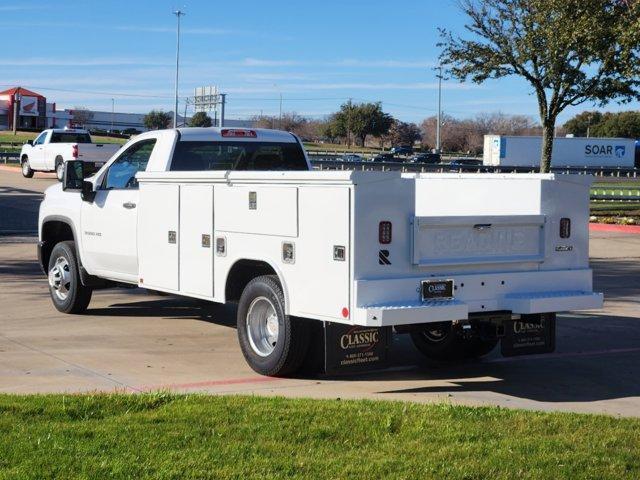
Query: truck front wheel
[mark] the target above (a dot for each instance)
(26, 168)
(444, 341)
(59, 168)
(272, 342)
(67, 292)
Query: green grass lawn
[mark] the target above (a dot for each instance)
(168, 436)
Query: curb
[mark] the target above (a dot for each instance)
(607, 227)
(10, 168)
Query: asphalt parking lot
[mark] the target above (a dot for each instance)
(131, 340)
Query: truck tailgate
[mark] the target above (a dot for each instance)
(456, 240)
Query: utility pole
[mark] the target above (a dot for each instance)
(439, 117)
(184, 119)
(223, 101)
(280, 116)
(349, 124)
(178, 14)
(17, 99)
(112, 110)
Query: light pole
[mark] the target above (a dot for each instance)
(112, 110)
(439, 117)
(178, 14)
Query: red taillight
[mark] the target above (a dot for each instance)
(384, 232)
(74, 151)
(238, 132)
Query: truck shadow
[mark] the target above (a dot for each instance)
(598, 358)
(173, 307)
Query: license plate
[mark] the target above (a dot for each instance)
(529, 335)
(437, 289)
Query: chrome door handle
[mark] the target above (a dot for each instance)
(129, 205)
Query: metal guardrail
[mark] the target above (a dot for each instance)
(598, 194)
(329, 164)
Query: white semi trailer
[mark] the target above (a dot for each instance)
(514, 151)
(325, 262)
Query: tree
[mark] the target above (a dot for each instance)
(82, 116)
(621, 125)
(200, 119)
(582, 124)
(360, 120)
(156, 120)
(569, 51)
(403, 133)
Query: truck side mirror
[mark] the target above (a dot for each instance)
(29, 142)
(87, 193)
(75, 173)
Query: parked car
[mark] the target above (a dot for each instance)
(53, 147)
(462, 163)
(402, 150)
(426, 158)
(323, 262)
(385, 157)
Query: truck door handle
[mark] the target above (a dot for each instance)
(129, 205)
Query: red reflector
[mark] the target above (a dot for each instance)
(384, 232)
(74, 151)
(345, 312)
(238, 132)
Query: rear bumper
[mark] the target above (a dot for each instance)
(518, 292)
(449, 310)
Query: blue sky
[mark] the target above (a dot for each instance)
(316, 54)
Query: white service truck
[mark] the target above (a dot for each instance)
(327, 263)
(53, 147)
(524, 151)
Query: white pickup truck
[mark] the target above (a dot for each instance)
(53, 147)
(323, 263)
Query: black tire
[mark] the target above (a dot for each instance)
(63, 271)
(443, 341)
(26, 168)
(59, 168)
(288, 352)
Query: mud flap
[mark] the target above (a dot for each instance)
(350, 348)
(531, 334)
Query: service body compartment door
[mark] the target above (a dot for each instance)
(319, 279)
(262, 210)
(196, 240)
(158, 238)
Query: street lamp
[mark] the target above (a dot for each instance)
(178, 14)
(439, 118)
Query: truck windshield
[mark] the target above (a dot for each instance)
(195, 156)
(70, 137)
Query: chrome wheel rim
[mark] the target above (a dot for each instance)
(25, 167)
(60, 171)
(60, 278)
(262, 326)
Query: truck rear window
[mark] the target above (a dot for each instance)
(70, 137)
(195, 156)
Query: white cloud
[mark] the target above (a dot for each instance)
(188, 31)
(348, 62)
(76, 61)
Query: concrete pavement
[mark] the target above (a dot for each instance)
(131, 340)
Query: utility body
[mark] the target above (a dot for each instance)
(49, 150)
(323, 263)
